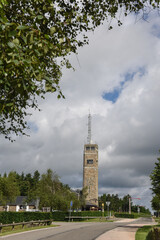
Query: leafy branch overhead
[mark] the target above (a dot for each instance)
(36, 38)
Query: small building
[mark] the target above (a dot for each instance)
(21, 204)
(91, 207)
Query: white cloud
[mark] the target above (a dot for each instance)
(127, 132)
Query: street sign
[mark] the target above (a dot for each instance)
(71, 203)
(107, 203)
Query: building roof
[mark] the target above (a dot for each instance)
(22, 200)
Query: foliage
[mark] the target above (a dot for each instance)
(53, 193)
(59, 216)
(154, 234)
(125, 215)
(8, 188)
(155, 203)
(116, 203)
(142, 233)
(46, 187)
(36, 38)
(142, 209)
(82, 196)
(89, 213)
(155, 182)
(10, 217)
(155, 178)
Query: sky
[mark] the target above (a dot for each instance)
(116, 78)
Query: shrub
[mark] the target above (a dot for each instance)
(154, 234)
(124, 215)
(59, 216)
(88, 214)
(10, 217)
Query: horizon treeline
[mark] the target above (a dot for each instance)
(52, 193)
(47, 187)
(118, 204)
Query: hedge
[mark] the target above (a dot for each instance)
(59, 216)
(124, 215)
(154, 234)
(89, 213)
(10, 217)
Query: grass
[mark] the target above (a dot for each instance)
(142, 232)
(17, 229)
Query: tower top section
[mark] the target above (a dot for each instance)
(89, 138)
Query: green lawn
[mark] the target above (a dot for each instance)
(17, 229)
(142, 233)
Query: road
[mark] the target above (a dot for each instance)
(72, 231)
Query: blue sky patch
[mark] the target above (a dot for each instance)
(114, 95)
(33, 127)
(156, 30)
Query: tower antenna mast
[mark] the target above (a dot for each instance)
(89, 141)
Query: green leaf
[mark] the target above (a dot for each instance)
(31, 38)
(11, 44)
(16, 62)
(46, 36)
(61, 40)
(40, 17)
(16, 41)
(22, 27)
(45, 49)
(52, 30)
(9, 104)
(12, 33)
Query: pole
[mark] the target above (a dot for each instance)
(108, 210)
(102, 209)
(71, 203)
(129, 205)
(108, 203)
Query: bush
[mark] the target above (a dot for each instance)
(154, 234)
(89, 214)
(10, 217)
(124, 215)
(59, 216)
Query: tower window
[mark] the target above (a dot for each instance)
(92, 148)
(90, 161)
(87, 148)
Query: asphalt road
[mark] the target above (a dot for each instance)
(72, 231)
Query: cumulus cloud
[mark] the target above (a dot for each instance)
(126, 130)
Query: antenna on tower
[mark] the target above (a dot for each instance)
(89, 141)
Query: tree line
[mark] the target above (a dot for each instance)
(118, 204)
(52, 193)
(155, 182)
(47, 187)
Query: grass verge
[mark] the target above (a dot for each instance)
(18, 229)
(142, 232)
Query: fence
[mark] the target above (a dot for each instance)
(30, 223)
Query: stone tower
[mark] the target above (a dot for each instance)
(90, 168)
